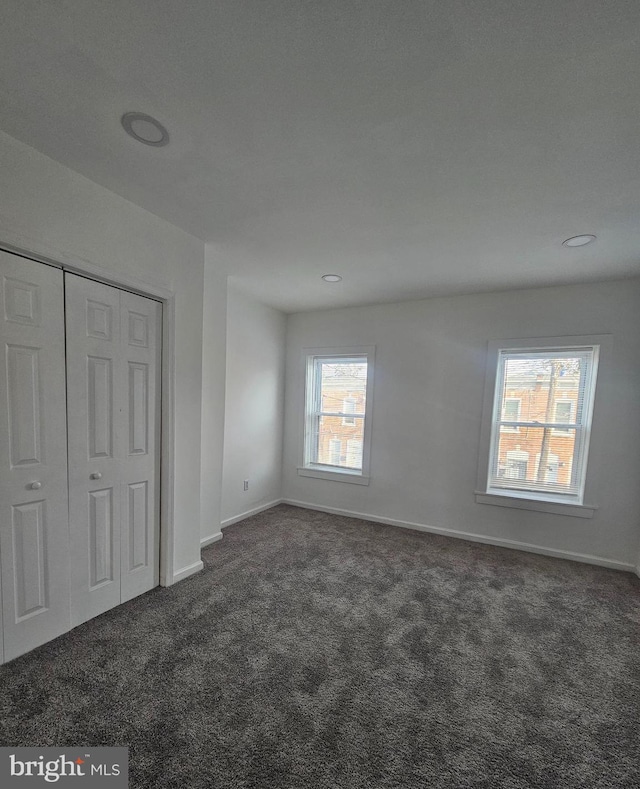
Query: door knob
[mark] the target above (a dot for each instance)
(35, 485)
(96, 475)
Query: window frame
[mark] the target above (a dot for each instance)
(530, 498)
(311, 412)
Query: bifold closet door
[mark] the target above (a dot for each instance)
(34, 524)
(113, 395)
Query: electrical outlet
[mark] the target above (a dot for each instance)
(246, 484)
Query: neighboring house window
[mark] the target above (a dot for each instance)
(511, 413)
(349, 407)
(517, 464)
(563, 416)
(545, 395)
(550, 471)
(337, 415)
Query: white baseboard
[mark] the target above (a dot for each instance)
(463, 535)
(210, 540)
(192, 569)
(249, 513)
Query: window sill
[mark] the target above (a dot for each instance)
(336, 475)
(551, 507)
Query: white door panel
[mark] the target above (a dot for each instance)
(95, 444)
(140, 321)
(113, 366)
(34, 530)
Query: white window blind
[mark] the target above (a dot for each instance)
(541, 422)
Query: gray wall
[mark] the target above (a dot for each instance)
(253, 405)
(214, 349)
(427, 406)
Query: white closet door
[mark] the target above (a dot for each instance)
(96, 445)
(34, 523)
(140, 321)
(113, 354)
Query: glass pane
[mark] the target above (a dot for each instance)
(343, 386)
(340, 444)
(535, 459)
(542, 389)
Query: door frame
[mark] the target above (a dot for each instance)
(166, 297)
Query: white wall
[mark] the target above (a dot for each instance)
(214, 348)
(254, 405)
(56, 213)
(427, 405)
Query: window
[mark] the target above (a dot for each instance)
(510, 413)
(517, 464)
(538, 437)
(563, 414)
(349, 407)
(337, 416)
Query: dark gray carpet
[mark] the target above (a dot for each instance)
(318, 651)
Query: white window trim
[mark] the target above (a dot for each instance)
(530, 490)
(318, 470)
(531, 500)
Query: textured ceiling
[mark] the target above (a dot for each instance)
(415, 148)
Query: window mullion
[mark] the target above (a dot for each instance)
(340, 413)
(541, 425)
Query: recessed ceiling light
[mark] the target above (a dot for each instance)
(578, 241)
(331, 277)
(145, 129)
